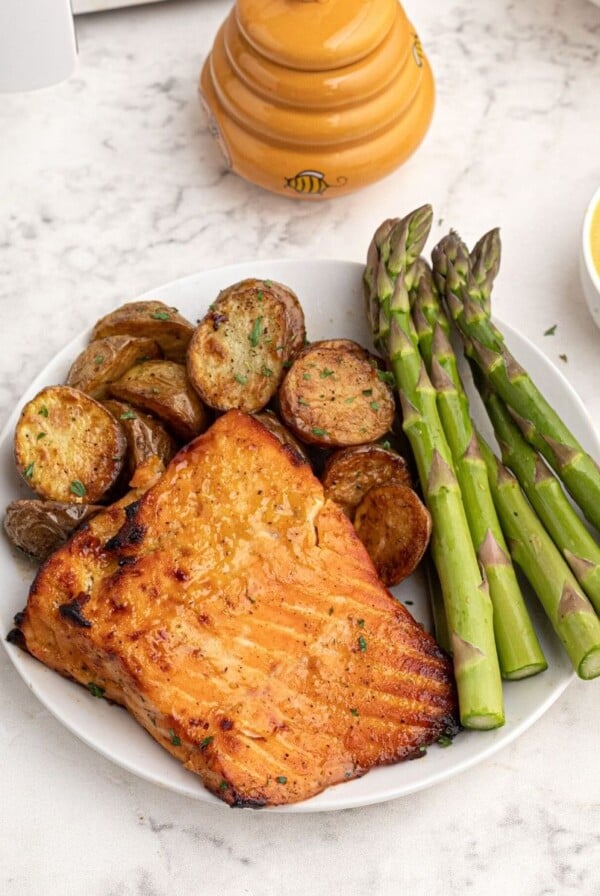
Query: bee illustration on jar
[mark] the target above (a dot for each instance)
(311, 182)
(417, 50)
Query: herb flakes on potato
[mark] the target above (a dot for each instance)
(68, 447)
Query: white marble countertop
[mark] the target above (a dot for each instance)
(109, 185)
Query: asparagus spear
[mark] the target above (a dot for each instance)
(466, 598)
(567, 607)
(519, 651)
(538, 421)
(436, 599)
(580, 550)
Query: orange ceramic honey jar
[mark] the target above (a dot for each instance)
(316, 98)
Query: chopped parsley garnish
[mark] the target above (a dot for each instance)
(306, 376)
(43, 411)
(563, 358)
(266, 371)
(386, 377)
(204, 743)
(304, 403)
(223, 785)
(325, 373)
(175, 740)
(444, 740)
(387, 445)
(268, 283)
(160, 315)
(367, 392)
(98, 359)
(281, 779)
(362, 643)
(260, 295)
(256, 332)
(350, 399)
(95, 689)
(374, 405)
(242, 380)
(317, 431)
(360, 622)
(128, 415)
(41, 435)
(551, 330)
(76, 487)
(28, 471)
(354, 711)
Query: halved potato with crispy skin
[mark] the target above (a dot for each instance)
(334, 397)
(68, 447)
(145, 435)
(271, 421)
(395, 527)
(40, 527)
(106, 360)
(238, 352)
(296, 328)
(163, 389)
(350, 472)
(150, 319)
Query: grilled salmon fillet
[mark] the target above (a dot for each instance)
(234, 612)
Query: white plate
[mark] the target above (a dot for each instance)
(331, 294)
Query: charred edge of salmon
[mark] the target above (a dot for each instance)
(72, 611)
(15, 635)
(129, 535)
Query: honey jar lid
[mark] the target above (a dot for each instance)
(315, 35)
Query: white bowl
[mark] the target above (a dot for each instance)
(590, 276)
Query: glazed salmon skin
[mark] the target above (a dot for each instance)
(234, 612)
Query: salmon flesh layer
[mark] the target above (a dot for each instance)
(234, 612)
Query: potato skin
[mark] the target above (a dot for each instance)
(68, 447)
(106, 360)
(395, 527)
(271, 421)
(350, 472)
(238, 353)
(334, 397)
(145, 435)
(40, 527)
(150, 319)
(163, 389)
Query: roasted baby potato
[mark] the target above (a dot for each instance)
(334, 397)
(395, 527)
(296, 339)
(350, 472)
(238, 352)
(145, 435)
(106, 360)
(68, 447)
(271, 421)
(163, 389)
(40, 527)
(151, 320)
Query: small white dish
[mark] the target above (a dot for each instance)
(589, 262)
